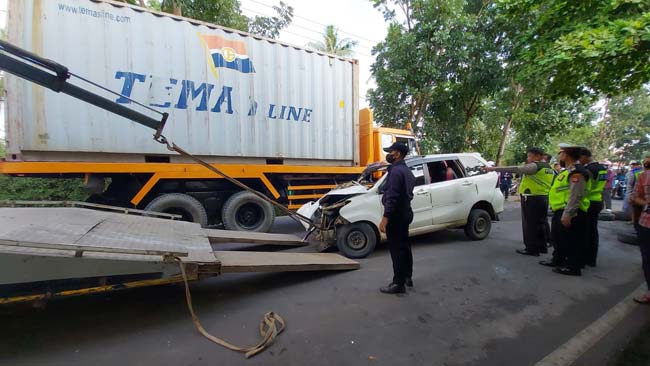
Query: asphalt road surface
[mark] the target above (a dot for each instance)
(474, 303)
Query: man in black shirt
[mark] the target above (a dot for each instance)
(398, 193)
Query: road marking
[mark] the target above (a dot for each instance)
(575, 347)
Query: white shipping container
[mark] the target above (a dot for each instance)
(229, 94)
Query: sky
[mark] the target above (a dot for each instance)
(355, 19)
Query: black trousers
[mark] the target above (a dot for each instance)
(591, 251)
(534, 223)
(569, 242)
(399, 246)
(644, 245)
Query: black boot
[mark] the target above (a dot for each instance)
(393, 288)
(527, 252)
(409, 282)
(551, 263)
(568, 271)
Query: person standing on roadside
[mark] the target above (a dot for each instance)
(537, 177)
(569, 202)
(642, 198)
(630, 180)
(595, 187)
(506, 182)
(398, 193)
(609, 185)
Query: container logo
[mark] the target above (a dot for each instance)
(226, 53)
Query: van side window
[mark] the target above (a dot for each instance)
(473, 166)
(441, 171)
(418, 173)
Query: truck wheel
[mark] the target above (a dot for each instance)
(478, 225)
(180, 204)
(244, 211)
(356, 240)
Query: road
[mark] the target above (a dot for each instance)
(474, 303)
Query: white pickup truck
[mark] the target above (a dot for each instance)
(451, 191)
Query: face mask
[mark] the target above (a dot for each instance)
(646, 165)
(390, 158)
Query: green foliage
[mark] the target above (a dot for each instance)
(434, 69)
(270, 27)
(334, 44)
(581, 46)
(154, 4)
(228, 13)
(39, 189)
(627, 126)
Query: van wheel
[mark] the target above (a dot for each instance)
(180, 204)
(478, 225)
(245, 211)
(356, 240)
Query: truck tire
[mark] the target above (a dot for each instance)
(180, 204)
(356, 240)
(244, 211)
(478, 225)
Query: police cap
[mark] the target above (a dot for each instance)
(399, 146)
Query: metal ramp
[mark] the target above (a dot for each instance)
(50, 252)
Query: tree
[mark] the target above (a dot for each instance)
(434, 69)
(599, 47)
(270, 27)
(333, 43)
(228, 13)
(624, 132)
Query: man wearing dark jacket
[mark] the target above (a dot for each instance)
(398, 193)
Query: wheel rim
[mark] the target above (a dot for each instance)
(480, 225)
(357, 240)
(249, 215)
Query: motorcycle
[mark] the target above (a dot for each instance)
(618, 189)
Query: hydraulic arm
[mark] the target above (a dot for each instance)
(55, 76)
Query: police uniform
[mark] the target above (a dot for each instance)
(536, 181)
(595, 187)
(398, 193)
(568, 198)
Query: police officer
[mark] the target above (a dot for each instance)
(398, 193)
(595, 187)
(535, 183)
(569, 202)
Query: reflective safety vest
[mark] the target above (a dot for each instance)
(559, 194)
(539, 183)
(597, 183)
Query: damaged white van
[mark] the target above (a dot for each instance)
(451, 191)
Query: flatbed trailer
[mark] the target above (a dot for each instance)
(52, 252)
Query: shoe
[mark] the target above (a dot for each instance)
(550, 263)
(409, 282)
(645, 300)
(567, 271)
(526, 252)
(393, 288)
